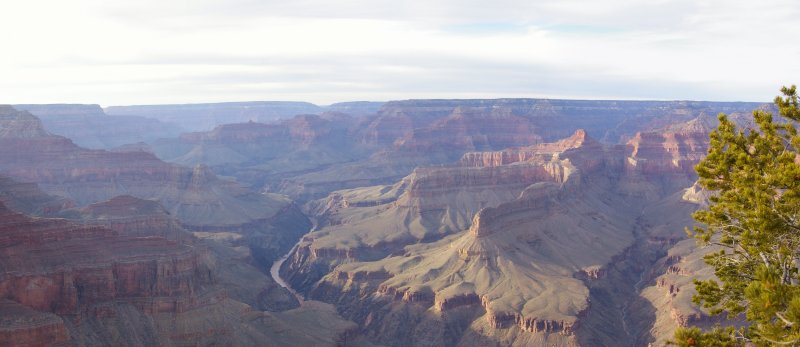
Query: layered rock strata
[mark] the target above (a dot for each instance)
(428, 204)
(412, 133)
(199, 199)
(64, 284)
(505, 243)
(534, 217)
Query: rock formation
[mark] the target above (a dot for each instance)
(503, 244)
(52, 266)
(437, 222)
(88, 126)
(535, 216)
(414, 133)
(668, 155)
(127, 274)
(196, 197)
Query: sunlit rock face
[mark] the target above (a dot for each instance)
(499, 234)
(508, 242)
(404, 135)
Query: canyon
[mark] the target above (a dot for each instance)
(124, 272)
(418, 222)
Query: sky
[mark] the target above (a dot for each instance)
(184, 51)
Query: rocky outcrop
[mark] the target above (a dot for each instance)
(196, 197)
(671, 291)
(491, 220)
(68, 284)
(70, 265)
(18, 125)
(676, 149)
(131, 216)
(23, 326)
(449, 303)
(53, 266)
(430, 203)
(512, 270)
(661, 162)
(469, 129)
(544, 151)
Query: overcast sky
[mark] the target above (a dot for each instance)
(322, 51)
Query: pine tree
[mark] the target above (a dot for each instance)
(754, 218)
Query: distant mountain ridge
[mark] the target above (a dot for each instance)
(88, 126)
(205, 116)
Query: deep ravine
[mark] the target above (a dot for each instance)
(275, 270)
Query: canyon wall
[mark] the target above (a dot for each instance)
(199, 199)
(509, 245)
(88, 126)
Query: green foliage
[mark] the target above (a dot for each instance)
(717, 337)
(754, 216)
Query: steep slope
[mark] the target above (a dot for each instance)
(260, 154)
(668, 284)
(415, 133)
(50, 265)
(666, 157)
(559, 239)
(130, 216)
(370, 223)
(235, 268)
(512, 276)
(65, 284)
(196, 197)
(516, 266)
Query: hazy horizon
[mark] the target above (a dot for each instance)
(382, 101)
(209, 51)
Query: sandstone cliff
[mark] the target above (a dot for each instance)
(50, 265)
(89, 285)
(196, 197)
(541, 214)
(525, 245)
(662, 161)
(413, 133)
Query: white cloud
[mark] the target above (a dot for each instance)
(200, 51)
